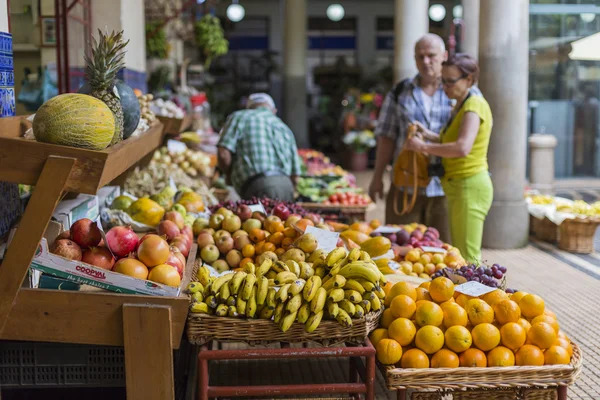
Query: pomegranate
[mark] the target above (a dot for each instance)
(189, 232)
(122, 240)
(99, 257)
(65, 235)
(165, 274)
(153, 250)
(168, 229)
(86, 233)
(67, 249)
(132, 267)
(175, 217)
(182, 244)
(175, 258)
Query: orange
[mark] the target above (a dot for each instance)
(303, 223)
(485, 336)
(462, 299)
(374, 224)
(276, 227)
(386, 318)
(403, 306)
(458, 338)
(276, 238)
(479, 312)
(280, 251)
(429, 339)
(454, 315)
(290, 233)
(556, 355)
(513, 335)
(257, 235)
(529, 355)
(268, 246)
(258, 248)
(500, 357)
(447, 302)
(494, 297)
(531, 306)
(245, 261)
(542, 335)
(248, 251)
(517, 296)
(425, 285)
(565, 343)
(472, 358)
(401, 288)
(377, 335)
(525, 324)
(547, 319)
(388, 351)
(445, 359)
(561, 334)
(549, 313)
(402, 330)
(506, 311)
(429, 313)
(423, 294)
(287, 243)
(441, 289)
(414, 358)
(387, 287)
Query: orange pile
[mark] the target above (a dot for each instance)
(434, 326)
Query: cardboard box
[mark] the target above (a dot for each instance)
(69, 211)
(81, 273)
(107, 194)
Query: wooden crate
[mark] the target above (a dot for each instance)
(175, 126)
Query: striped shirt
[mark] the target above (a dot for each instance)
(259, 142)
(409, 105)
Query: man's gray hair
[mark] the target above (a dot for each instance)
(260, 99)
(431, 38)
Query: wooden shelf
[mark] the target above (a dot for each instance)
(175, 126)
(84, 317)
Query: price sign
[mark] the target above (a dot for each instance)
(175, 146)
(390, 255)
(474, 289)
(428, 249)
(258, 207)
(394, 265)
(387, 229)
(326, 240)
(456, 279)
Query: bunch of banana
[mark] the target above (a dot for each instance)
(541, 199)
(338, 286)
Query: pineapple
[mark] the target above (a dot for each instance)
(101, 71)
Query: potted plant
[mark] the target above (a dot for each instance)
(359, 143)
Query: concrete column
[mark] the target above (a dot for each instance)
(503, 58)
(541, 162)
(294, 69)
(470, 44)
(411, 21)
(367, 51)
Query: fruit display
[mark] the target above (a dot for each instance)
(435, 326)
(493, 276)
(349, 198)
(551, 205)
(338, 191)
(338, 285)
(75, 120)
(166, 108)
(192, 162)
(147, 117)
(317, 164)
(270, 206)
(121, 250)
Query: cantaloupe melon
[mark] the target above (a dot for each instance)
(76, 120)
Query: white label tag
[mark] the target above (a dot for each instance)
(172, 184)
(394, 265)
(326, 240)
(387, 229)
(474, 289)
(213, 272)
(175, 146)
(456, 279)
(428, 249)
(390, 254)
(258, 207)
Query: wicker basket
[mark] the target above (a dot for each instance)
(501, 378)
(545, 230)
(202, 328)
(496, 394)
(577, 235)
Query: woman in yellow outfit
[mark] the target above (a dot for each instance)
(463, 145)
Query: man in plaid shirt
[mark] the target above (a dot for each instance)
(418, 99)
(258, 152)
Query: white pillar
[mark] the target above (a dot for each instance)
(470, 43)
(411, 21)
(503, 57)
(541, 162)
(294, 69)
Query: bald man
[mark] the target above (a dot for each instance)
(419, 98)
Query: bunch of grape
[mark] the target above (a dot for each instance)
(269, 204)
(488, 276)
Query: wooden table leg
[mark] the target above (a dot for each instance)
(45, 197)
(148, 352)
(401, 394)
(562, 392)
(203, 376)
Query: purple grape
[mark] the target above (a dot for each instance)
(502, 269)
(496, 265)
(469, 273)
(498, 275)
(463, 268)
(475, 279)
(510, 290)
(488, 272)
(493, 284)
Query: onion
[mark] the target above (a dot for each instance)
(67, 249)
(99, 257)
(122, 240)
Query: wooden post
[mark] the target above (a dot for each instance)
(148, 352)
(45, 197)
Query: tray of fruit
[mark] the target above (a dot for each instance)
(337, 298)
(436, 337)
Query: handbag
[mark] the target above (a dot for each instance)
(410, 172)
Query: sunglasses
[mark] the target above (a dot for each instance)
(452, 82)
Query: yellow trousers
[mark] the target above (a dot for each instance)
(469, 200)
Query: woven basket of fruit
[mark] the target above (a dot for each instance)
(496, 394)
(577, 235)
(545, 230)
(485, 378)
